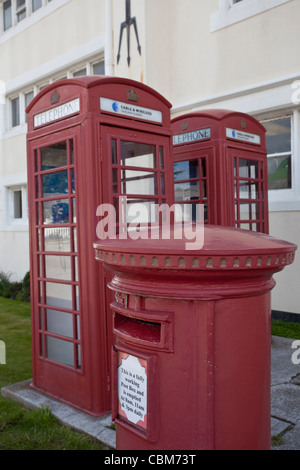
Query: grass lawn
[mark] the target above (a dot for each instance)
(286, 329)
(20, 428)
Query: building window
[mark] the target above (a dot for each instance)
(234, 11)
(98, 68)
(19, 103)
(17, 205)
(15, 112)
(7, 15)
(21, 10)
(36, 4)
(79, 73)
(14, 11)
(279, 149)
(28, 97)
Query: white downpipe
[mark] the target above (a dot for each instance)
(109, 59)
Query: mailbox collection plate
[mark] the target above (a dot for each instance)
(134, 394)
(132, 389)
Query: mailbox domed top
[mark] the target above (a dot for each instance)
(191, 248)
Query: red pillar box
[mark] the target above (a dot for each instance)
(191, 360)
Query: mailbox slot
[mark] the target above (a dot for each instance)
(139, 329)
(150, 329)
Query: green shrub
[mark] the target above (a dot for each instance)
(4, 285)
(15, 290)
(24, 292)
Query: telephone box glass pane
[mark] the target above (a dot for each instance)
(139, 211)
(60, 323)
(187, 191)
(248, 190)
(162, 184)
(114, 156)
(54, 156)
(138, 155)
(74, 210)
(186, 170)
(75, 240)
(190, 212)
(248, 169)
(78, 327)
(115, 180)
(139, 182)
(59, 295)
(161, 158)
(56, 212)
(60, 351)
(204, 189)
(55, 184)
(254, 211)
(57, 239)
(58, 267)
(244, 211)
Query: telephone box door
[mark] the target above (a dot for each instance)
(60, 305)
(139, 164)
(192, 173)
(250, 192)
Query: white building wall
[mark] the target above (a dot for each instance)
(56, 40)
(199, 54)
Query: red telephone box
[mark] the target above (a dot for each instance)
(90, 140)
(220, 161)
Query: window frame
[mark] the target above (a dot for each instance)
(282, 154)
(31, 15)
(21, 95)
(11, 220)
(282, 200)
(15, 114)
(230, 13)
(4, 29)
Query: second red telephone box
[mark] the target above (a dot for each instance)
(91, 141)
(220, 161)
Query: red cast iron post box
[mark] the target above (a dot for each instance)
(90, 141)
(220, 161)
(192, 331)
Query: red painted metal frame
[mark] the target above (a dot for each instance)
(223, 203)
(88, 386)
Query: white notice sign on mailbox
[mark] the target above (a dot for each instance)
(132, 389)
